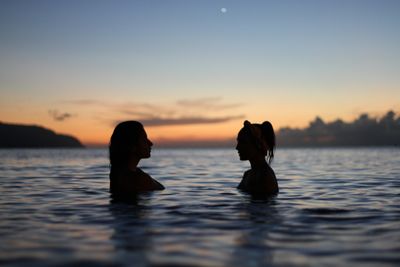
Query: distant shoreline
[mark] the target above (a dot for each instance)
(32, 136)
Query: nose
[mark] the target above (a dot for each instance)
(149, 142)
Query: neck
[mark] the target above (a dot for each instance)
(258, 163)
(132, 165)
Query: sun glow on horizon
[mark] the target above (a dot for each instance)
(194, 70)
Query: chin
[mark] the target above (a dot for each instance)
(146, 156)
(243, 158)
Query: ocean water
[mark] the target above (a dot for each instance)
(336, 207)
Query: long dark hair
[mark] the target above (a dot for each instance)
(269, 137)
(122, 142)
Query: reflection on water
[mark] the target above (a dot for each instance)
(130, 238)
(336, 207)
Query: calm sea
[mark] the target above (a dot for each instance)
(336, 207)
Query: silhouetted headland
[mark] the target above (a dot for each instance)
(31, 136)
(363, 131)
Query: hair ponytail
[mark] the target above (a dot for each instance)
(269, 137)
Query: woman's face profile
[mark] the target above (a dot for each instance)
(245, 147)
(143, 147)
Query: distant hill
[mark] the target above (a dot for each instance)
(31, 136)
(364, 131)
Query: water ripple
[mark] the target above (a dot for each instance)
(336, 207)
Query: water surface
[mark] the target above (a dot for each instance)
(336, 207)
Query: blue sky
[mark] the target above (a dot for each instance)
(287, 61)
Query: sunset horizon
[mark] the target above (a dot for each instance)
(195, 70)
(199, 133)
(198, 141)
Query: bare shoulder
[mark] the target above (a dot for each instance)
(247, 173)
(127, 182)
(259, 181)
(270, 172)
(148, 183)
(271, 181)
(243, 183)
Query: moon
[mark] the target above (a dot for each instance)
(224, 10)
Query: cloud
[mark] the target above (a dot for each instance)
(157, 121)
(182, 105)
(209, 103)
(59, 116)
(363, 131)
(209, 110)
(85, 102)
(144, 110)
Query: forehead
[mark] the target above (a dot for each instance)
(142, 133)
(243, 134)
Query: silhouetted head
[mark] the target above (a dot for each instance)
(256, 140)
(128, 141)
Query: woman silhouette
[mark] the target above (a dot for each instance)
(254, 143)
(128, 145)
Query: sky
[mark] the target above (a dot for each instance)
(193, 70)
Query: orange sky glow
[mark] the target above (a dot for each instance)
(191, 73)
